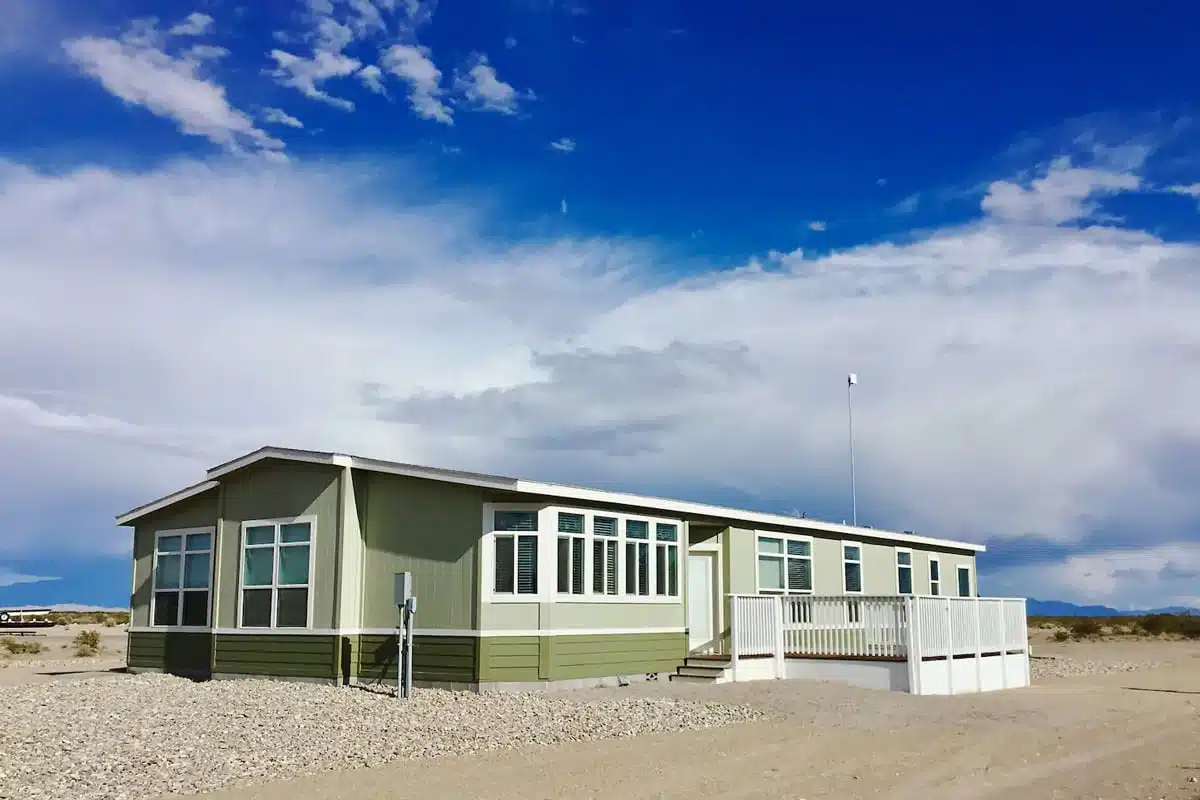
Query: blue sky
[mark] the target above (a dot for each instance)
(627, 245)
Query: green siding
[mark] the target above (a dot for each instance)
(277, 655)
(195, 512)
(175, 652)
(278, 490)
(436, 659)
(432, 530)
(529, 658)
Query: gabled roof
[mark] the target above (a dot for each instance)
(694, 512)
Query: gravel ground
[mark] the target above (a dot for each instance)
(1043, 667)
(148, 735)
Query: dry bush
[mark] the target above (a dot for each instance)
(1185, 625)
(1061, 636)
(87, 643)
(16, 647)
(1086, 628)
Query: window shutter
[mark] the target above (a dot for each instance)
(605, 526)
(643, 568)
(519, 521)
(799, 575)
(796, 547)
(577, 566)
(611, 585)
(527, 566)
(570, 523)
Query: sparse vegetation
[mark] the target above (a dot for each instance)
(16, 647)
(1186, 626)
(87, 643)
(108, 619)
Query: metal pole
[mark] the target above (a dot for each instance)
(850, 381)
(408, 646)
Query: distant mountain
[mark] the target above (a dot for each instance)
(1060, 608)
(64, 607)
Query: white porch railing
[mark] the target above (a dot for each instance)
(909, 628)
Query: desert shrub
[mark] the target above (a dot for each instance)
(16, 647)
(87, 643)
(1186, 625)
(1061, 636)
(1086, 628)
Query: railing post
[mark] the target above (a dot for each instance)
(733, 636)
(779, 656)
(949, 646)
(912, 639)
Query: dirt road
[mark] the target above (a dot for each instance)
(1126, 735)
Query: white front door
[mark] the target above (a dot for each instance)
(701, 579)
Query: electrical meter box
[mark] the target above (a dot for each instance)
(404, 587)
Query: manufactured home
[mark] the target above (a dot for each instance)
(280, 563)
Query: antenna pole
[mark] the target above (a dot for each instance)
(850, 381)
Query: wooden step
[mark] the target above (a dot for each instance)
(677, 678)
(700, 672)
(718, 662)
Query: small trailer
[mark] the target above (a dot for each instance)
(11, 618)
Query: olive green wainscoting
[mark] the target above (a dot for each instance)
(526, 659)
(277, 656)
(174, 652)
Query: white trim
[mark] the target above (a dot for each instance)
(784, 537)
(862, 578)
(183, 533)
(551, 491)
(163, 502)
(912, 573)
(275, 586)
(934, 558)
(418, 631)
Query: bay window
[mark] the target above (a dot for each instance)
(571, 544)
(604, 555)
(637, 557)
(666, 559)
(516, 552)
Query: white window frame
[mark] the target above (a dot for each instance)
(212, 562)
(608, 570)
(961, 568)
(912, 582)
(547, 550)
(935, 584)
(663, 546)
(862, 578)
(275, 586)
(759, 535)
(584, 537)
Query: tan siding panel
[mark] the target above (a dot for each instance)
(431, 530)
(280, 490)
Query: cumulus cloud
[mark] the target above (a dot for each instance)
(1063, 194)
(816, 225)
(414, 65)
(484, 91)
(1003, 363)
(563, 145)
(138, 69)
(1187, 190)
(327, 60)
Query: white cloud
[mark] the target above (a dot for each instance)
(1189, 190)
(563, 206)
(510, 42)
(277, 116)
(195, 24)
(1063, 194)
(137, 69)
(11, 578)
(414, 65)
(1004, 363)
(816, 225)
(326, 62)
(907, 206)
(480, 86)
(563, 145)
(372, 77)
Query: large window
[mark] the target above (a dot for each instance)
(904, 572)
(852, 567)
(571, 545)
(666, 559)
(587, 555)
(604, 555)
(784, 565)
(516, 543)
(637, 557)
(182, 578)
(276, 573)
(935, 576)
(964, 581)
